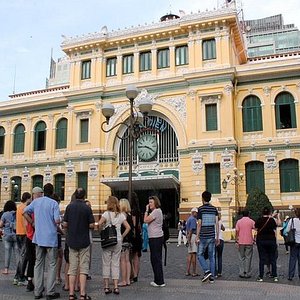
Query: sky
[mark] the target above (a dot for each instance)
(29, 29)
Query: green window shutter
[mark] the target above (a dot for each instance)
(209, 49)
(86, 69)
(255, 176)
(59, 185)
(181, 55)
(145, 61)
(84, 130)
(61, 134)
(37, 180)
(285, 113)
(2, 139)
(289, 175)
(213, 178)
(252, 114)
(211, 117)
(19, 138)
(128, 64)
(163, 58)
(40, 136)
(82, 180)
(111, 66)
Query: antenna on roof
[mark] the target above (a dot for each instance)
(14, 81)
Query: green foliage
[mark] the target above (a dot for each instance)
(256, 201)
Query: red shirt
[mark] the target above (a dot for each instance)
(30, 229)
(244, 228)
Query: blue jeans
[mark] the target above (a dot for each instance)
(10, 245)
(294, 258)
(211, 245)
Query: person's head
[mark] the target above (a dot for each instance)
(48, 189)
(80, 193)
(124, 205)
(9, 206)
(37, 192)
(113, 204)
(194, 211)
(297, 212)
(206, 196)
(25, 197)
(266, 211)
(245, 213)
(154, 202)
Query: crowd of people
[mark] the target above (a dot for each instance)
(33, 230)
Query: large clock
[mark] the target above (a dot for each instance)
(146, 147)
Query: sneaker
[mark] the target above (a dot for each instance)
(211, 279)
(15, 281)
(53, 296)
(290, 279)
(275, 279)
(30, 286)
(22, 283)
(206, 276)
(157, 285)
(259, 279)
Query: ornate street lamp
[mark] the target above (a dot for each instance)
(135, 120)
(14, 190)
(236, 179)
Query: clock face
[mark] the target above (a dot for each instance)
(146, 147)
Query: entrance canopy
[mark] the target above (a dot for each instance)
(143, 183)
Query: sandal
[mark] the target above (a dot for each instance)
(187, 274)
(65, 289)
(107, 290)
(85, 297)
(116, 291)
(72, 297)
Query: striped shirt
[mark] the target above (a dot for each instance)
(207, 214)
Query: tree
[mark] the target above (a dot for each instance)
(256, 202)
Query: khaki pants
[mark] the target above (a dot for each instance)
(111, 261)
(245, 259)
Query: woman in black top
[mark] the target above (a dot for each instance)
(266, 243)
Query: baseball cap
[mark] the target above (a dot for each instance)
(37, 189)
(194, 209)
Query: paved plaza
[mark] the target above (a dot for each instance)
(179, 286)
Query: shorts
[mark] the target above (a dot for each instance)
(79, 259)
(192, 248)
(126, 246)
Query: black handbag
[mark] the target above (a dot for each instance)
(109, 235)
(290, 238)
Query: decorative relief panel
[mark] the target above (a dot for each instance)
(47, 174)
(286, 133)
(197, 162)
(179, 104)
(93, 169)
(25, 174)
(70, 169)
(226, 159)
(270, 160)
(252, 136)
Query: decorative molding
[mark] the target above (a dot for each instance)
(192, 94)
(267, 90)
(282, 133)
(25, 174)
(5, 176)
(228, 88)
(252, 136)
(70, 169)
(48, 174)
(93, 169)
(210, 98)
(83, 114)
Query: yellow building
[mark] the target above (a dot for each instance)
(215, 112)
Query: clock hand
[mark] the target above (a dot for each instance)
(149, 148)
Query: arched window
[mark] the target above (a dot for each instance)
(255, 176)
(61, 134)
(289, 175)
(16, 187)
(40, 136)
(37, 180)
(285, 111)
(59, 185)
(2, 139)
(252, 116)
(19, 138)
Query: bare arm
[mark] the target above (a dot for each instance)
(217, 231)
(28, 218)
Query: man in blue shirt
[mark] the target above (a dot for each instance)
(46, 218)
(191, 229)
(207, 236)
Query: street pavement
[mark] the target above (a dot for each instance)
(178, 286)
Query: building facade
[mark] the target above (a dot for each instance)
(216, 114)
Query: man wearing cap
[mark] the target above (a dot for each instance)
(46, 218)
(191, 229)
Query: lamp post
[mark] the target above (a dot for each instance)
(236, 179)
(135, 119)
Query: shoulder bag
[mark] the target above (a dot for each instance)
(108, 235)
(290, 238)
